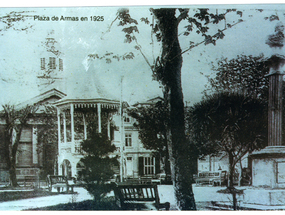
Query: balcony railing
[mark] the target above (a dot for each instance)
(75, 147)
(71, 147)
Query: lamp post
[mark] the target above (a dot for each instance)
(122, 134)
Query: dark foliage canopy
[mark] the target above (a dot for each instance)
(243, 74)
(229, 122)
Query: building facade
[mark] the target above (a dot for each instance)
(30, 158)
(74, 116)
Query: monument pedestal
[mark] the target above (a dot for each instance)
(268, 177)
(268, 164)
(264, 196)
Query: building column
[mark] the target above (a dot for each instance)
(35, 145)
(72, 128)
(99, 117)
(73, 168)
(60, 169)
(108, 127)
(85, 127)
(59, 165)
(64, 127)
(72, 122)
(58, 129)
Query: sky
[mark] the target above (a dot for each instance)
(21, 52)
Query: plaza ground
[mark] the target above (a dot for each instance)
(204, 195)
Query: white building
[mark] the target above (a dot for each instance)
(73, 116)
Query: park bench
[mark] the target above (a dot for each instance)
(139, 196)
(59, 182)
(149, 180)
(34, 179)
(213, 178)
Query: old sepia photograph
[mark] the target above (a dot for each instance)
(142, 107)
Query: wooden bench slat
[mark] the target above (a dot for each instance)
(130, 195)
(59, 181)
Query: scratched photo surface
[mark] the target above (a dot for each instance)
(142, 107)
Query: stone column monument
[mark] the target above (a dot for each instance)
(275, 100)
(268, 164)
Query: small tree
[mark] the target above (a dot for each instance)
(98, 165)
(232, 123)
(15, 120)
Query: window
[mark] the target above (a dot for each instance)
(60, 64)
(149, 166)
(43, 63)
(128, 139)
(127, 119)
(52, 63)
(25, 156)
(26, 135)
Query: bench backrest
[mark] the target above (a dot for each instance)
(209, 175)
(54, 179)
(139, 192)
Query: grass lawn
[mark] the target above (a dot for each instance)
(17, 194)
(105, 204)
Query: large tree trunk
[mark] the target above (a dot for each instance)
(10, 158)
(231, 171)
(15, 120)
(10, 155)
(231, 180)
(11, 148)
(167, 163)
(13, 176)
(14, 149)
(181, 166)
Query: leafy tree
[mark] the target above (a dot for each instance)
(151, 120)
(167, 70)
(15, 120)
(232, 123)
(244, 74)
(98, 166)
